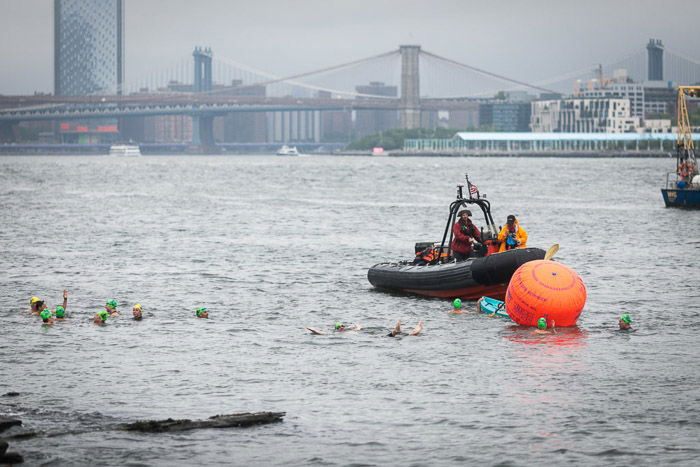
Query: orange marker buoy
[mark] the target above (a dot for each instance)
(545, 289)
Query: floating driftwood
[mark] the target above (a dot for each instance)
(6, 423)
(217, 421)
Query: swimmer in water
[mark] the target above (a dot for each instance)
(542, 327)
(33, 305)
(111, 307)
(60, 313)
(457, 308)
(338, 327)
(625, 322)
(101, 317)
(202, 312)
(415, 331)
(46, 317)
(39, 306)
(137, 312)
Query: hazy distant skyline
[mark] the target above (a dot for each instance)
(525, 40)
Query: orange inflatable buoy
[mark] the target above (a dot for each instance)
(545, 289)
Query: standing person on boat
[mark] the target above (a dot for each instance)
(465, 235)
(512, 235)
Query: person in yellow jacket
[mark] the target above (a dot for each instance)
(512, 235)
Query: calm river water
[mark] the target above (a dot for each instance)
(273, 244)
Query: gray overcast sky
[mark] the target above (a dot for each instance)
(527, 40)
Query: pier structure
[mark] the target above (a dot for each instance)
(554, 143)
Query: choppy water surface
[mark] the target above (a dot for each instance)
(271, 245)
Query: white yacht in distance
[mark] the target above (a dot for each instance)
(124, 150)
(287, 151)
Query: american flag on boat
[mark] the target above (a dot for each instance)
(473, 189)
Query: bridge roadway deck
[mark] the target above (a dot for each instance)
(41, 107)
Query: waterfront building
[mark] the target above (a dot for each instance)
(583, 115)
(505, 116)
(295, 126)
(660, 98)
(370, 122)
(88, 47)
(620, 86)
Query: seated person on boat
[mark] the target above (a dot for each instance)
(512, 235)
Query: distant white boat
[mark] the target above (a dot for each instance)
(124, 150)
(288, 151)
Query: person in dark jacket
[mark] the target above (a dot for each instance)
(465, 234)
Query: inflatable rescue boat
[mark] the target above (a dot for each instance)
(486, 273)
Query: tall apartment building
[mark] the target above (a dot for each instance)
(620, 86)
(88, 46)
(583, 115)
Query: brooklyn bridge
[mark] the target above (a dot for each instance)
(425, 84)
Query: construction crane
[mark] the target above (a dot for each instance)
(683, 186)
(687, 165)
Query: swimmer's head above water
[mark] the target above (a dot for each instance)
(60, 312)
(103, 315)
(45, 315)
(202, 312)
(457, 303)
(111, 304)
(339, 326)
(542, 323)
(625, 321)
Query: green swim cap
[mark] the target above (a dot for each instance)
(103, 315)
(457, 303)
(626, 318)
(339, 325)
(46, 314)
(542, 323)
(111, 303)
(60, 312)
(200, 310)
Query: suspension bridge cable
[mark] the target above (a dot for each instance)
(276, 78)
(684, 57)
(303, 75)
(487, 73)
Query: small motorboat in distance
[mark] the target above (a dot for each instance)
(487, 272)
(124, 150)
(288, 151)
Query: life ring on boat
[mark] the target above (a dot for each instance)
(684, 169)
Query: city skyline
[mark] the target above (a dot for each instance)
(530, 41)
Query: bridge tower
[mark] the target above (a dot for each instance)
(202, 69)
(410, 86)
(655, 61)
(202, 124)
